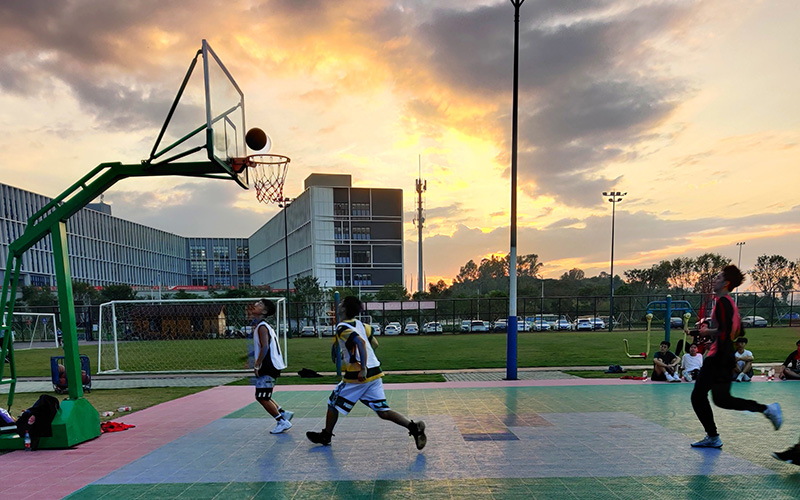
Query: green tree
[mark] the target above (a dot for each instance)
(573, 274)
(307, 289)
(706, 267)
(117, 292)
(439, 290)
(35, 296)
(84, 294)
(392, 291)
(184, 295)
(529, 265)
(773, 273)
(683, 273)
(468, 272)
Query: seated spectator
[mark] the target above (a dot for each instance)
(743, 370)
(790, 370)
(691, 363)
(665, 364)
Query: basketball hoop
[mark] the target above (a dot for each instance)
(269, 173)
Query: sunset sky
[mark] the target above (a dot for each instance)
(691, 107)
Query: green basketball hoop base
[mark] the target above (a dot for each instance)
(76, 421)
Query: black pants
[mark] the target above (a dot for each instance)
(715, 376)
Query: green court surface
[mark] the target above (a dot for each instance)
(626, 440)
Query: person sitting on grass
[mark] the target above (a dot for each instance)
(743, 370)
(790, 369)
(691, 363)
(665, 364)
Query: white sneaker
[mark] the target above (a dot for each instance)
(745, 378)
(687, 376)
(282, 426)
(773, 413)
(288, 415)
(739, 378)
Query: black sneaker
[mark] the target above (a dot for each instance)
(417, 430)
(323, 438)
(790, 456)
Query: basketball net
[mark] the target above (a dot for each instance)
(269, 173)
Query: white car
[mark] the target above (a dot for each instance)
(393, 328)
(432, 327)
(308, 331)
(583, 324)
(598, 323)
(376, 328)
(754, 321)
(540, 326)
(326, 330)
(563, 324)
(479, 326)
(500, 325)
(411, 328)
(466, 325)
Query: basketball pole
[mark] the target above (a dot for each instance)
(511, 333)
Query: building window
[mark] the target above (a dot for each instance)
(197, 252)
(361, 233)
(360, 209)
(361, 256)
(220, 252)
(362, 279)
(340, 209)
(242, 251)
(342, 256)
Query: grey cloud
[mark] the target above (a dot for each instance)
(206, 207)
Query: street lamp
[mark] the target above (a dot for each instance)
(614, 197)
(511, 333)
(284, 204)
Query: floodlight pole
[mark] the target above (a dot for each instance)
(511, 333)
(739, 244)
(614, 197)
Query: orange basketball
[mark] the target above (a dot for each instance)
(256, 139)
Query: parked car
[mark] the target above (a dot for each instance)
(792, 315)
(466, 325)
(308, 331)
(539, 325)
(392, 328)
(563, 324)
(479, 326)
(583, 324)
(432, 327)
(676, 322)
(326, 330)
(598, 323)
(500, 325)
(376, 328)
(411, 328)
(754, 321)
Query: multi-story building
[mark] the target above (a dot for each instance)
(107, 250)
(339, 234)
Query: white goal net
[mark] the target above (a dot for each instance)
(198, 335)
(36, 328)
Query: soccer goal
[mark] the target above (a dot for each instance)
(197, 335)
(34, 327)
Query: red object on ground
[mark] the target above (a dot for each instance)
(114, 427)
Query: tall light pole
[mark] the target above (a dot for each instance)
(511, 334)
(614, 197)
(740, 244)
(284, 204)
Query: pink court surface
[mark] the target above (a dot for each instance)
(603, 438)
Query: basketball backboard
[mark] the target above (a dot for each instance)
(207, 118)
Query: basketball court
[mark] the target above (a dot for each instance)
(523, 439)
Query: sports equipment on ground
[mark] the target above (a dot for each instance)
(199, 335)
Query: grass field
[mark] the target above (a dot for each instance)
(439, 352)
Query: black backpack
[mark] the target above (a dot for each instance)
(37, 420)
